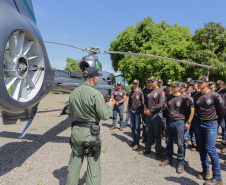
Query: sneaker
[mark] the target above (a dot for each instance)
(121, 129)
(213, 181)
(136, 147)
(112, 128)
(144, 152)
(203, 175)
(165, 163)
(223, 150)
(180, 169)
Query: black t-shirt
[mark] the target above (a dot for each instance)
(146, 92)
(209, 106)
(178, 107)
(118, 95)
(156, 100)
(136, 100)
(190, 92)
(222, 92)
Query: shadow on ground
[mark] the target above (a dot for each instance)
(181, 180)
(14, 154)
(61, 175)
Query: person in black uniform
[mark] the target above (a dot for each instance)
(135, 110)
(220, 90)
(210, 112)
(192, 108)
(212, 86)
(119, 95)
(146, 91)
(160, 82)
(179, 109)
(153, 118)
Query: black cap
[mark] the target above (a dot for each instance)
(168, 82)
(119, 83)
(175, 83)
(148, 80)
(193, 82)
(154, 78)
(219, 82)
(135, 81)
(189, 80)
(211, 83)
(203, 79)
(183, 85)
(160, 81)
(91, 72)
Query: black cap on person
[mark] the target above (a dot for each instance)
(189, 80)
(219, 82)
(154, 78)
(135, 81)
(148, 80)
(91, 72)
(203, 79)
(183, 85)
(211, 83)
(168, 82)
(175, 83)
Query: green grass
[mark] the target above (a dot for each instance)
(104, 150)
(127, 88)
(60, 102)
(30, 170)
(33, 129)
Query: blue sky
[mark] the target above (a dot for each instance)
(96, 23)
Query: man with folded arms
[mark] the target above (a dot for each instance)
(153, 116)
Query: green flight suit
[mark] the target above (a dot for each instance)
(85, 104)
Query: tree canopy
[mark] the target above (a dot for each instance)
(71, 64)
(207, 46)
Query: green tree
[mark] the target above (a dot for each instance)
(147, 37)
(211, 50)
(72, 64)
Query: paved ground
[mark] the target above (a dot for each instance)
(42, 157)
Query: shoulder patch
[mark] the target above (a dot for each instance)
(102, 96)
(220, 99)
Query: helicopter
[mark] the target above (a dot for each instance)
(26, 75)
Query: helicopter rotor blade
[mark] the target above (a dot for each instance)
(158, 57)
(96, 50)
(65, 45)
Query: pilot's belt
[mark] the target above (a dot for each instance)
(85, 124)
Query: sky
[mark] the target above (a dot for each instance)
(97, 23)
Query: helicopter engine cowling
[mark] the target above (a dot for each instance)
(90, 61)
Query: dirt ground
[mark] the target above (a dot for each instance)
(42, 156)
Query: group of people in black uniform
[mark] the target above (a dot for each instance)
(176, 111)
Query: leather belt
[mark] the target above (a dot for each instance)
(85, 124)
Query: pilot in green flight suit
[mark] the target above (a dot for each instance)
(87, 106)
